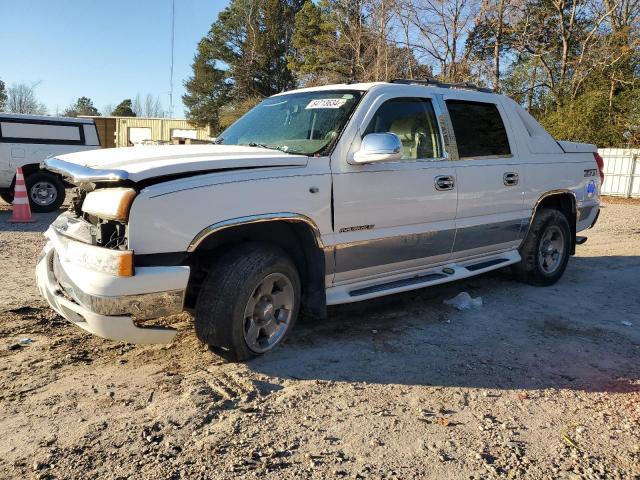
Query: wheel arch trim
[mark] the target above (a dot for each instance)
(252, 219)
(552, 193)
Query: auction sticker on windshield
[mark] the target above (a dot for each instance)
(326, 103)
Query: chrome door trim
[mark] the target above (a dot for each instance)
(266, 217)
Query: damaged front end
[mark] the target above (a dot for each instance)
(87, 270)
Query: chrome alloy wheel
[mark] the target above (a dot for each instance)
(43, 193)
(268, 312)
(551, 250)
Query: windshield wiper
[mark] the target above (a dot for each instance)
(270, 147)
(218, 141)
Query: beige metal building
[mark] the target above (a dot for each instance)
(129, 131)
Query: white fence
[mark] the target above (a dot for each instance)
(621, 172)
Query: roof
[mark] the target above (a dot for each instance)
(437, 86)
(22, 116)
(140, 118)
(335, 86)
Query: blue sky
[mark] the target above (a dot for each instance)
(106, 50)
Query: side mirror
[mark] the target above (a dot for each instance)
(379, 147)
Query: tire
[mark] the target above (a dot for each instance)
(45, 191)
(239, 283)
(545, 252)
(7, 197)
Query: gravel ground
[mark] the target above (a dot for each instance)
(537, 383)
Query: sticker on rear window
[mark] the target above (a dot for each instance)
(326, 103)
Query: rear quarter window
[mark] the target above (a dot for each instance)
(39, 131)
(478, 128)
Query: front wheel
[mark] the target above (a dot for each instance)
(45, 191)
(545, 251)
(249, 302)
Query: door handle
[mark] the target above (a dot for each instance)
(510, 179)
(445, 182)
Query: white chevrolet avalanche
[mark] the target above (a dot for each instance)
(316, 197)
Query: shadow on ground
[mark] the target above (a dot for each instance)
(570, 335)
(41, 222)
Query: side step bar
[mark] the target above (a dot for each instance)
(434, 276)
(398, 283)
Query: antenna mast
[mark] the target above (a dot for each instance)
(173, 26)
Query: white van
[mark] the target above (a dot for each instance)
(26, 140)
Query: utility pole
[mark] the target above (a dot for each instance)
(173, 26)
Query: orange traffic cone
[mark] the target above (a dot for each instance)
(21, 208)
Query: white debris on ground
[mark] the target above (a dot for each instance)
(464, 301)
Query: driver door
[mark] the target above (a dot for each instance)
(398, 216)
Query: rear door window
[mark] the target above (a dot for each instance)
(414, 121)
(478, 128)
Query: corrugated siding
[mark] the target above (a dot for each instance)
(621, 171)
(160, 128)
(106, 128)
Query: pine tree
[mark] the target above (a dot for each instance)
(314, 57)
(242, 59)
(82, 106)
(124, 109)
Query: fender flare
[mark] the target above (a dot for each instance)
(266, 217)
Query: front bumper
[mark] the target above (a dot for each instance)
(107, 305)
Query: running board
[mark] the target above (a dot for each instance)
(434, 276)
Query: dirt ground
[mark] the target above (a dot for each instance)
(537, 383)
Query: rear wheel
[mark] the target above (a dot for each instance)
(545, 251)
(45, 192)
(249, 302)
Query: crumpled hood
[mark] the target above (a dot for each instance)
(140, 163)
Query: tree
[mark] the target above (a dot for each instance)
(149, 106)
(21, 98)
(436, 31)
(82, 106)
(123, 109)
(107, 109)
(314, 57)
(341, 40)
(3, 96)
(208, 90)
(243, 58)
(490, 38)
(560, 59)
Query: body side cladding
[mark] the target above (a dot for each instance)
(297, 234)
(555, 198)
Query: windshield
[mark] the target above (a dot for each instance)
(304, 123)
